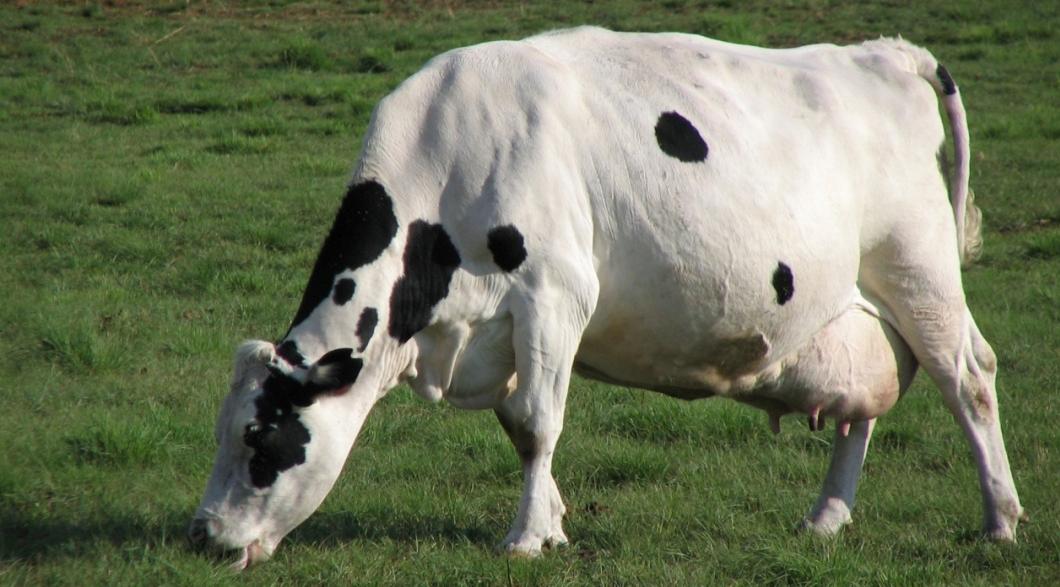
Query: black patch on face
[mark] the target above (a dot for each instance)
(278, 436)
(949, 87)
(783, 283)
(506, 244)
(288, 350)
(679, 139)
(343, 291)
(430, 260)
(366, 327)
(363, 228)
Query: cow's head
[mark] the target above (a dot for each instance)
(283, 434)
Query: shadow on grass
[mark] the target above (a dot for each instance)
(27, 539)
(24, 537)
(332, 527)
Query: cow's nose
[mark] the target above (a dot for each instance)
(199, 533)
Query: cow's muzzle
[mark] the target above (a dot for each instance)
(201, 533)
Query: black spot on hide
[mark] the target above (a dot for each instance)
(679, 139)
(506, 244)
(343, 291)
(363, 228)
(949, 87)
(430, 260)
(288, 350)
(366, 327)
(783, 283)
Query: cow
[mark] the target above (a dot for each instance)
(659, 211)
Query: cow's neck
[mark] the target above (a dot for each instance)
(380, 279)
(346, 300)
(359, 324)
(325, 330)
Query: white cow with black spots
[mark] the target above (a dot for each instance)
(661, 211)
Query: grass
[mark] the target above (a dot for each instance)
(168, 172)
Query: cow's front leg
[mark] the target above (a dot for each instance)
(833, 507)
(540, 519)
(547, 325)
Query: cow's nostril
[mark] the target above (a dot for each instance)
(198, 532)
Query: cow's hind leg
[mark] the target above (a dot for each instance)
(547, 328)
(978, 402)
(918, 279)
(833, 507)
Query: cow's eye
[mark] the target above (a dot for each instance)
(252, 434)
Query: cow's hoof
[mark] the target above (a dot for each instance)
(827, 518)
(533, 548)
(556, 541)
(1002, 535)
(518, 550)
(819, 530)
(825, 527)
(1001, 527)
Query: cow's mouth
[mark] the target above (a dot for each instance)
(251, 554)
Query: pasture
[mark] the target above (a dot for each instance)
(168, 171)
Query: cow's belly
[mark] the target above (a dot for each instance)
(698, 310)
(637, 355)
(854, 367)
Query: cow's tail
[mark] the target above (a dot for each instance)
(967, 215)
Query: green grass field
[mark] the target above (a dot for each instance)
(167, 173)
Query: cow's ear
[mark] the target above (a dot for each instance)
(337, 369)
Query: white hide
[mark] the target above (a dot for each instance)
(660, 272)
